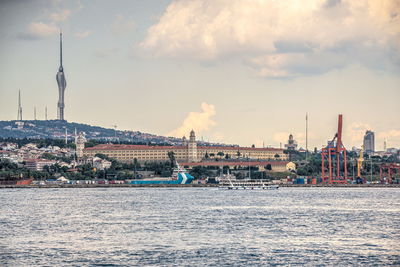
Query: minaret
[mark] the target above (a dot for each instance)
(60, 77)
(80, 144)
(19, 116)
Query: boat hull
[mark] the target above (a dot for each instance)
(16, 182)
(267, 187)
(183, 178)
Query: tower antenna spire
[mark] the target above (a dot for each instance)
(60, 48)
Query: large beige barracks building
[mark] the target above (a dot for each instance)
(189, 152)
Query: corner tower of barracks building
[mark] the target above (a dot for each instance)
(188, 152)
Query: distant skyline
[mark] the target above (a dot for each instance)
(237, 71)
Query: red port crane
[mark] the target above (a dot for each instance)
(334, 159)
(387, 172)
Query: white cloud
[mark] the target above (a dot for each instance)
(82, 35)
(40, 29)
(61, 15)
(47, 26)
(280, 38)
(217, 137)
(122, 25)
(281, 137)
(354, 133)
(198, 121)
(392, 137)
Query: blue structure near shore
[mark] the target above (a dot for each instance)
(182, 178)
(299, 181)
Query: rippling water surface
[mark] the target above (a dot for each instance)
(199, 226)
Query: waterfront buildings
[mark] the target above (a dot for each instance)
(38, 164)
(100, 164)
(262, 165)
(184, 153)
(369, 142)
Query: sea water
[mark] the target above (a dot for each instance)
(199, 226)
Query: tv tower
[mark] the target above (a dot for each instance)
(60, 77)
(19, 116)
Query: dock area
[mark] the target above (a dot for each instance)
(190, 185)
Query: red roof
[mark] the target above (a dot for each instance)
(39, 160)
(240, 148)
(235, 163)
(132, 147)
(147, 147)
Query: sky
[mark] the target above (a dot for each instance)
(236, 71)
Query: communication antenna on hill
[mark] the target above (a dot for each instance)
(19, 116)
(34, 112)
(75, 135)
(306, 135)
(66, 135)
(115, 131)
(45, 113)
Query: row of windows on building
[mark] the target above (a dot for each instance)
(182, 155)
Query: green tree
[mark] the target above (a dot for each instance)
(48, 156)
(171, 156)
(200, 172)
(302, 171)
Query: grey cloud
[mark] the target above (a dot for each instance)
(293, 47)
(27, 36)
(281, 41)
(24, 3)
(107, 52)
(331, 3)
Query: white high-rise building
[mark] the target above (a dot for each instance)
(369, 142)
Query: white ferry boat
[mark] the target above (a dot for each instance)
(229, 181)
